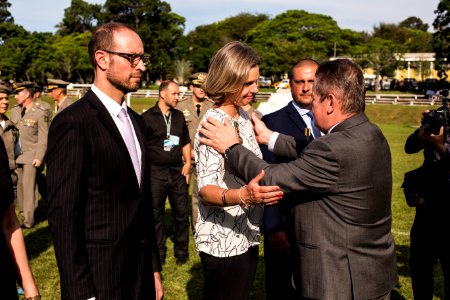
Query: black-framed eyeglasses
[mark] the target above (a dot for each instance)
(134, 58)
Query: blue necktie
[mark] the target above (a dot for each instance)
(315, 130)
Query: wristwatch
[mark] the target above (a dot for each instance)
(228, 150)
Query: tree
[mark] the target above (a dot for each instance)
(205, 40)
(414, 23)
(160, 29)
(181, 70)
(5, 15)
(441, 37)
(391, 32)
(292, 35)
(382, 56)
(79, 17)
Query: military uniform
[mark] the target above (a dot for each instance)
(63, 104)
(33, 130)
(10, 135)
(54, 84)
(189, 110)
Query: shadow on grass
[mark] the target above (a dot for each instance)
(194, 286)
(38, 241)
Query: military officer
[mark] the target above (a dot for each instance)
(37, 98)
(194, 108)
(32, 121)
(58, 91)
(8, 131)
(41, 180)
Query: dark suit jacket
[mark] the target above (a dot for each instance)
(289, 122)
(345, 248)
(100, 218)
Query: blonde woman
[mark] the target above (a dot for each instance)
(227, 232)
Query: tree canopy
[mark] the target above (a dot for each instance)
(280, 41)
(441, 37)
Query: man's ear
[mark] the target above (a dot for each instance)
(102, 59)
(331, 103)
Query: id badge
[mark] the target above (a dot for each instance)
(168, 145)
(175, 140)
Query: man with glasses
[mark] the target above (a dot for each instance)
(194, 108)
(32, 121)
(98, 180)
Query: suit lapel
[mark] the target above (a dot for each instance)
(295, 117)
(105, 118)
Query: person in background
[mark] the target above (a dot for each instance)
(169, 152)
(429, 242)
(97, 175)
(227, 233)
(41, 180)
(194, 108)
(296, 120)
(8, 132)
(343, 181)
(32, 122)
(14, 265)
(37, 98)
(58, 91)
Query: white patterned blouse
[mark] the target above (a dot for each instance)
(225, 231)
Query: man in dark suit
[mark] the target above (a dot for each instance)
(99, 205)
(342, 215)
(293, 120)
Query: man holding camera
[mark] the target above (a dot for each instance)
(431, 222)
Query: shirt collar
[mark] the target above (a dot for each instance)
(301, 111)
(112, 106)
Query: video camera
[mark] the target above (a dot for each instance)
(436, 118)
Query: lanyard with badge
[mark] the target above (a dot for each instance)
(171, 140)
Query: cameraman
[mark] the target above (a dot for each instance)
(429, 233)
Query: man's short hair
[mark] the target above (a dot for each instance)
(165, 85)
(301, 62)
(103, 39)
(345, 79)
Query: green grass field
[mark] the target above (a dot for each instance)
(185, 282)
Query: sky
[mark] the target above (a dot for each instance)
(358, 15)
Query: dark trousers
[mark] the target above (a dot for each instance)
(229, 278)
(429, 245)
(169, 182)
(278, 279)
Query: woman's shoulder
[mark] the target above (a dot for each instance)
(215, 113)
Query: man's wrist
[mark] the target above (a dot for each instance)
(228, 150)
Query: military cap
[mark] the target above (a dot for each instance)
(56, 83)
(37, 87)
(17, 87)
(198, 78)
(4, 89)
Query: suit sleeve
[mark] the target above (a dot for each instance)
(315, 171)
(67, 186)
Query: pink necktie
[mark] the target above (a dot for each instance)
(129, 141)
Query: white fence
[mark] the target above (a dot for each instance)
(400, 99)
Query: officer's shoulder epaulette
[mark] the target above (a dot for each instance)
(209, 100)
(39, 106)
